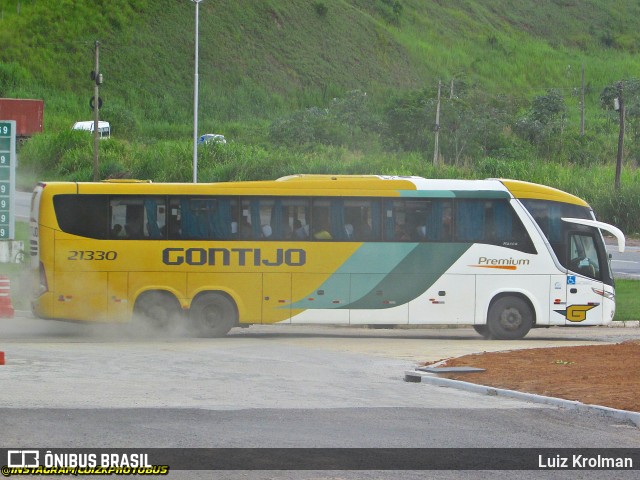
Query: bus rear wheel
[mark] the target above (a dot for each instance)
(157, 308)
(510, 318)
(213, 314)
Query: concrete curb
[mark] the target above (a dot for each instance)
(628, 323)
(623, 415)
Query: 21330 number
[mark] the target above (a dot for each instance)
(92, 255)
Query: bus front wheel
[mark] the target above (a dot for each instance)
(213, 314)
(483, 330)
(510, 318)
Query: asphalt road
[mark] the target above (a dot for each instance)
(100, 386)
(626, 264)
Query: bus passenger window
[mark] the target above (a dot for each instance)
(294, 218)
(202, 218)
(470, 221)
(138, 217)
(320, 220)
(256, 216)
(173, 226)
(361, 220)
(504, 228)
(438, 224)
(83, 215)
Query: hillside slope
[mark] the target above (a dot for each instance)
(260, 57)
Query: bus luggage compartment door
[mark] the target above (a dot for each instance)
(81, 296)
(276, 297)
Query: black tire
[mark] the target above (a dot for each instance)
(510, 318)
(158, 309)
(483, 330)
(213, 314)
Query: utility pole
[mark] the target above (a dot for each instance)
(582, 104)
(436, 148)
(97, 77)
(620, 135)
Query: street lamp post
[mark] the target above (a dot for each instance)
(195, 101)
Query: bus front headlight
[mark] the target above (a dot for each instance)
(605, 294)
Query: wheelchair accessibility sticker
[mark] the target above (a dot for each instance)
(571, 280)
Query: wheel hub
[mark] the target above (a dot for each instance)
(511, 318)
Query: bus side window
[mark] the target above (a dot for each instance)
(83, 215)
(401, 222)
(320, 220)
(362, 220)
(295, 218)
(502, 227)
(470, 221)
(202, 218)
(439, 220)
(254, 217)
(137, 217)
(173, 226)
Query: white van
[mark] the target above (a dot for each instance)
(104, 128)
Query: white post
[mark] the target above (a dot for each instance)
(195, 102)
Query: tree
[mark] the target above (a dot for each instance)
(626, 95)
(544, 120)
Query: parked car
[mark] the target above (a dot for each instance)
(104, 128)
(211, 138)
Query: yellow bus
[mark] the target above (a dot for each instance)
(504, 256)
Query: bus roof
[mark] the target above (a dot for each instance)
(329, 185)
(300, 185)
(520, 189)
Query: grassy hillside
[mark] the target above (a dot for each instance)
(259, 58)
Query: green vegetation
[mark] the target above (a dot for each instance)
(627, 300)
(344, 86)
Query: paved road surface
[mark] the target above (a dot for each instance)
(75, 385)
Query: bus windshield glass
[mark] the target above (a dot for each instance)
(578, 248)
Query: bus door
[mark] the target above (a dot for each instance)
(583, 279)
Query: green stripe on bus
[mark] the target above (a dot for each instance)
(377, 260)
(381, 276)
(413, 276)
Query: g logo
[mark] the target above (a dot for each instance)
(578, 313)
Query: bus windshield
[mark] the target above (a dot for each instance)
(579, 248)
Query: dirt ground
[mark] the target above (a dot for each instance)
(606, 375)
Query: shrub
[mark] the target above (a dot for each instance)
(320, 8)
